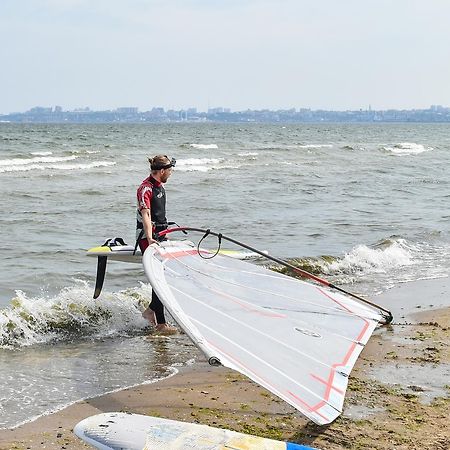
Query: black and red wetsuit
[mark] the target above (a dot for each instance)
(151, 195)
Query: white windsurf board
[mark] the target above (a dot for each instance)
(120, 431)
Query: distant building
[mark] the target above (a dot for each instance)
(158, 111)
(40, 110)
(127, 110)
(215, 110)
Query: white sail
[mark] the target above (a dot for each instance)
(297, 339)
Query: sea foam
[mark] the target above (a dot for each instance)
(198, 164)
(41, 153)
(364, 260)
(72, 312)
(407, 148)
(80, 166)
(204, 146)
(37, 160)
(315, 146)
(248, 154)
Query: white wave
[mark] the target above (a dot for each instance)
(84, 152)
(407, 148)
(81, 166)
(314, 146)
(248, 154)
(193, 169)
(41, 153)
(363, 259)
(27, 321)
(204, 146)
(203, 164)
(208, 168)
(197, 164)
(91, 165)
(37, 160)
(197, 161)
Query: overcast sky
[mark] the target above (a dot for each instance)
(332, 54)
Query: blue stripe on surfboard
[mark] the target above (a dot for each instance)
(292, 446)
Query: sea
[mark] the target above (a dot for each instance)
(365, 206)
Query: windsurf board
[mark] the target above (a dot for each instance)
(126, 253)
(120, 431)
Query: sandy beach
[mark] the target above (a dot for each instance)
(398, 395)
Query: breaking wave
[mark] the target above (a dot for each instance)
(71, 314)
(204, 146)
(315, 146)
(380, 266)
(248, 154)
(15, 162)
(81, 166)
(198, 164)
(365, 260)
(41, 153)
(407, 148)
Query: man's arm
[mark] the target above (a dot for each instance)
(147, 222)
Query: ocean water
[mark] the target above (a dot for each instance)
(366, 206)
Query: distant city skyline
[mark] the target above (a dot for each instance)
(39, 114)
(256, 54)
(216, 109)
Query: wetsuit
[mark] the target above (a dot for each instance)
(151, 195)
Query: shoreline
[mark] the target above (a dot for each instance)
(380, 411)
(175, 371)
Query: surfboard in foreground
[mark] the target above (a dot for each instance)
(116, 249)
(114, 431)
(126, 253)
(297, 339)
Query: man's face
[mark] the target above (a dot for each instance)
(165, 174)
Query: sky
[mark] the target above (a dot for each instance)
(238, 54)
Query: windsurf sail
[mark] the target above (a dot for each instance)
(297, 339)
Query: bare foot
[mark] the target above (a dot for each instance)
(149, 315)
(165, 329)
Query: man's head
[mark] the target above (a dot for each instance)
(161, 167)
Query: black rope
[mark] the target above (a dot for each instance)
(219, 236)
(174, 223)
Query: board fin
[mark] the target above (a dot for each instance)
(101, 271)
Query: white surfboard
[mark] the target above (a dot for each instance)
(120, 431)
(115, 249)
(126, 253)
(297, 339)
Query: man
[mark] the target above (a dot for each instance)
(151, 219)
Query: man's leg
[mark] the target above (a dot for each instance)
(158, 309)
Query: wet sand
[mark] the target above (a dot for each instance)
(398, 395)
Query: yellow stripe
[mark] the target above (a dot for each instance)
(229, 252)
(102, 249)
